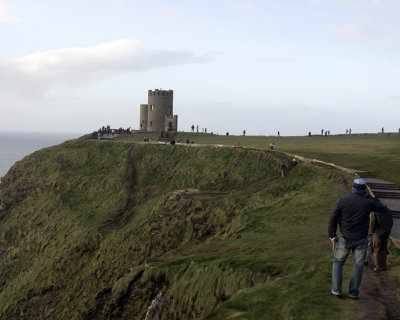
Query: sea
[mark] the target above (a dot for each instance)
(14, 146)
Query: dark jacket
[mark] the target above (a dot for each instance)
(381, 223)
(351, 212)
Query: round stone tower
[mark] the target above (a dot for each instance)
(160, 106)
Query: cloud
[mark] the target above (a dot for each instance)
(384, 4)
(245, 7)
(40, 71)
(390, 45)
(274, 60)
(118, 2)
(5, 15)
(361, 4)
(355, 30)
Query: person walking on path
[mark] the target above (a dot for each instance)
(351, 213)
(283, 169)
(381, 226)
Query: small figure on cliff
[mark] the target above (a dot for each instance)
(244, 132)
(283, 169)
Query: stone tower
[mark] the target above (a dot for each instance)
(157, 114)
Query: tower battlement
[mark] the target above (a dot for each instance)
(160, 92)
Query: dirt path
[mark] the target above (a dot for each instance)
(116, 219)
(378, 296)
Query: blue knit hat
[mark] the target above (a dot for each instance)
(359, 185)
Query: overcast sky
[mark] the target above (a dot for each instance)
(261, 65)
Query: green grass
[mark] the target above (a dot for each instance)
(378, 154)
(90, 230)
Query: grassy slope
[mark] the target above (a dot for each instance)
(378, 154)
(75, 244)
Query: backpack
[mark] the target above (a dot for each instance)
(385, 221)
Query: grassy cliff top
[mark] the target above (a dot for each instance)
(99, 230)
(376, 153)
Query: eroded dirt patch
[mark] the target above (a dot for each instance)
(184, 193)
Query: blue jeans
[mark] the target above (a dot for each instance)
(343, 248)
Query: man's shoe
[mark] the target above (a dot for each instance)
(336, 294)
(353, 297)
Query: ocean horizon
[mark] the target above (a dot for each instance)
(14, 146)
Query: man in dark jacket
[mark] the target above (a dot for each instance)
(351, 212)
